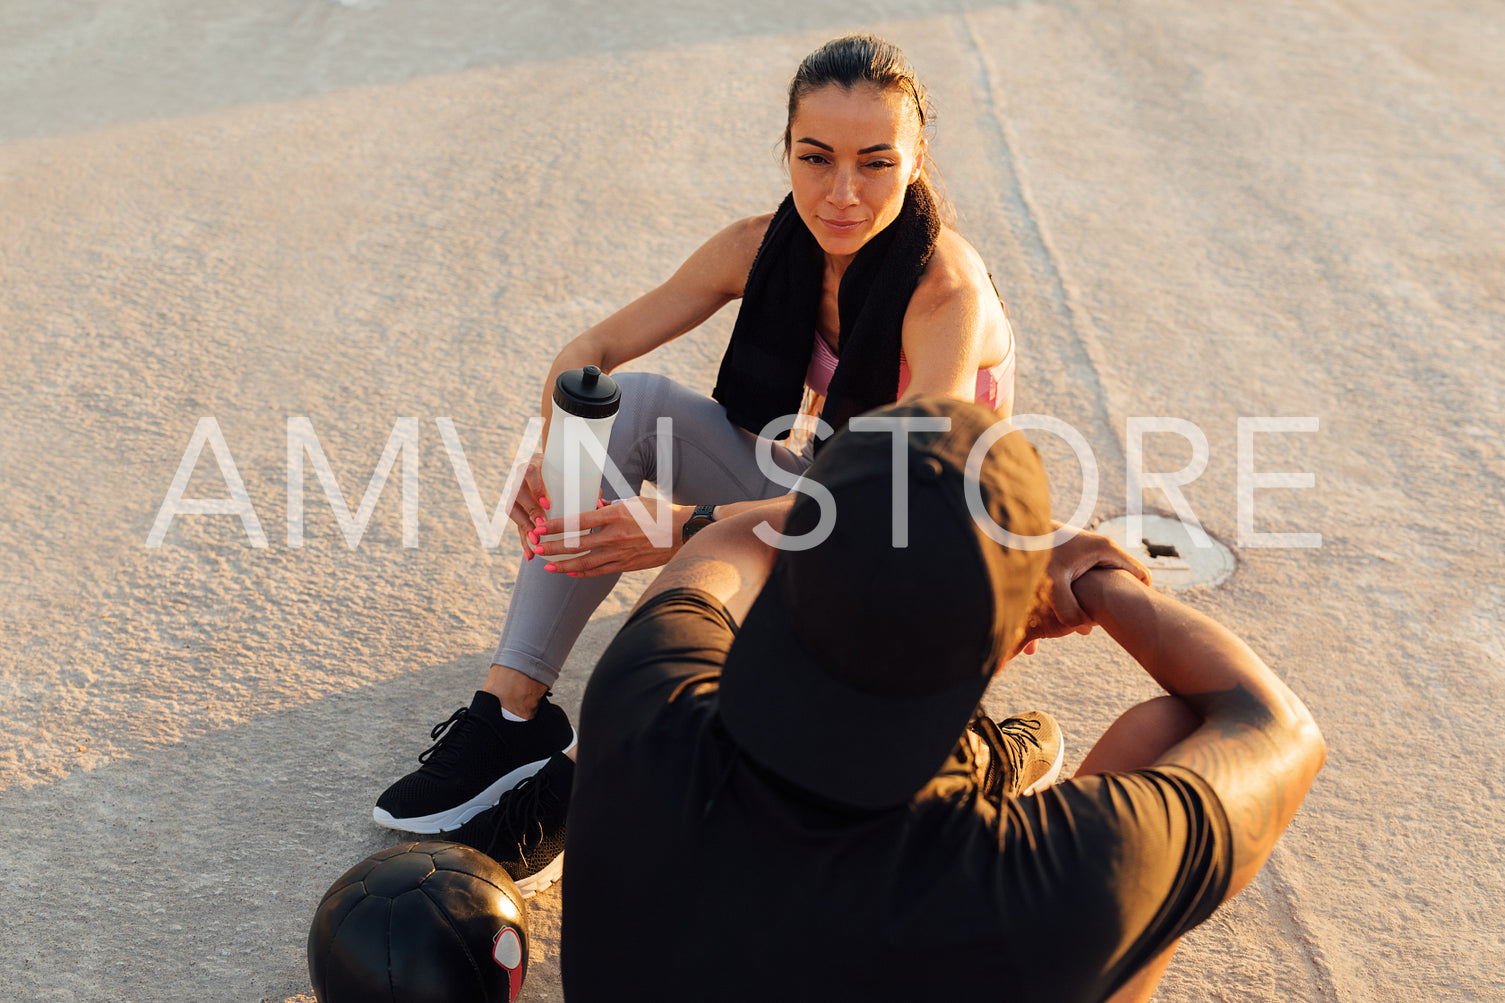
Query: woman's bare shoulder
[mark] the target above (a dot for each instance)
(747, 234)
(729, 254)
(955, 270)
(955, 312)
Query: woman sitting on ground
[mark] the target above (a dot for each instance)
(854, 293)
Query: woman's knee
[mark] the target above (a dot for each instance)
(640, 388)
(636, 421)
(640, 406)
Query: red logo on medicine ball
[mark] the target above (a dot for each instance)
(507, 951)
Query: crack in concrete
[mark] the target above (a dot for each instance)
(1034, 235)
(1285, 907)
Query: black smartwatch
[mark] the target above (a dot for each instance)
(702, 517)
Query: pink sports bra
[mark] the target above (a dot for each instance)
(995, 385)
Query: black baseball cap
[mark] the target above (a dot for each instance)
(860, 662)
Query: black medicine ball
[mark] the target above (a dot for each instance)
(429, 922)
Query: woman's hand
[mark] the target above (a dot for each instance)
(530, 510)
(614, 540)
(1073, 559)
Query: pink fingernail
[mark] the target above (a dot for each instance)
(550, 567)
(541, 521)
(533, 538)
(543, 503)
(538, 550)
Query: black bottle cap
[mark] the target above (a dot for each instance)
(587, 393)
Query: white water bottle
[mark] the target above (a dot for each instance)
(585, 405)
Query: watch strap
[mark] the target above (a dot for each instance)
(702, 517)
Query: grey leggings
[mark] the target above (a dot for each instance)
(714, 464)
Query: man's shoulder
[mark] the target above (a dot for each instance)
(678, 622)
(682, 599)
(675, 635)
(1148, 804)
(1149, 846)
(683, 624)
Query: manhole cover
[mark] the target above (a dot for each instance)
(1166, 547)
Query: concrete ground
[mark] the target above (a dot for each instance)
(366, 211)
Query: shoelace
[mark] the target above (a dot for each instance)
(1007, 745)
(445, 732)
(518, 817)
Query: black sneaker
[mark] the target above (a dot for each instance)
(525, 831)
(478, 756)
(1023, 753)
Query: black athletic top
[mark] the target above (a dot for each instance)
(693, 874)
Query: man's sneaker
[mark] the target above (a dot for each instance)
(478, 756)
(525, 831)
(1023, 753)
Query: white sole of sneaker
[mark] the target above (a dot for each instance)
(538, 881)
(453, 818)
(1051, 774)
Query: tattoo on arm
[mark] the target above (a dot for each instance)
(1236, 753)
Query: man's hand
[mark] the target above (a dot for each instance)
(1056, 611)
(1070, 561)
(1043, 622)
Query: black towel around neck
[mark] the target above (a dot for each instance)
(762, 374)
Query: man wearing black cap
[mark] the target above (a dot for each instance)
(789, 807)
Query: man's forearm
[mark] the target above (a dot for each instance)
(1189, 654)
(1257, 746)
(725, 559)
